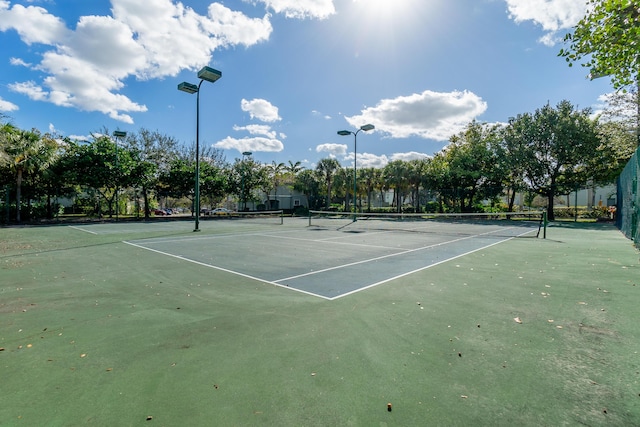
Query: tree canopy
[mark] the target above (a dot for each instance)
(607, 41)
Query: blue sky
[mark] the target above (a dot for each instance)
(294, 72)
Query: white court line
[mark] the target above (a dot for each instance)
(403, 252)
(364, 261)
(225, 270)
(275, 283)
(420, 269)
(81, 229)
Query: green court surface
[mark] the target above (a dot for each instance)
(150, 323)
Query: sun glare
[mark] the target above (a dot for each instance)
(386, 9)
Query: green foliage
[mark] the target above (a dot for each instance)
(607, 41)
(557, 146)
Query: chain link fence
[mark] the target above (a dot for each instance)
(629, 200)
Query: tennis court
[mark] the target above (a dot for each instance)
(261, 323)
(329, 257)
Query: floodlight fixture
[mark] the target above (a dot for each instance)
(188, 87)
(209, 74)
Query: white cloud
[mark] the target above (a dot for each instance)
(33, 23)
(411, 155)
(260, 109)
(86, 67)
(262, 130)
(250, 144)
(551, 15)
(7, 106)
(319, 114)
(302, 8)
(368, 160)
(19, 62)
(334, 150)
(429, 115)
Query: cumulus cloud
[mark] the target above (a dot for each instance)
(260, 109)
(368, 160)
(552, 15)
(262, 130)
(334, 150)
(7, 106)
(319, 9)
(429, 115)
(86, 63)
(411, 155)
(252, 144)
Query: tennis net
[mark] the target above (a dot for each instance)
(262, 217)
(511, 224)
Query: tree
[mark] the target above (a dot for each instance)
(559, 144)
(307, 183)
(607, 41)
(417, 171)
(326, 169)
(396, 175)
(25, 152)
(472, 161)
(275, 172)
(246, 175)
(369, 176)
(292, 170)
(154, 153)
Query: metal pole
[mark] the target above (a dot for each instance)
(355, 175)
(117, 180)
(197, 189)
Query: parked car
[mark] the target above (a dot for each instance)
(159, 212)
(219, 211)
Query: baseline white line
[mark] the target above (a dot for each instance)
(81, 229)
(225, 270)
(420, 269)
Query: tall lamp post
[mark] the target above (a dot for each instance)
(365, 128)
(210, 75)
(118, 134)
(244, 198)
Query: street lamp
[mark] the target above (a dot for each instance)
(244, 198)
(365, 128)
(118, 134)
(210, 75)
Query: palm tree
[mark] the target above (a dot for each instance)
(275, 171)
(368, 176)
(25, 152)
(326, 169)
(292, 170)
(417, 168)
(396, 176)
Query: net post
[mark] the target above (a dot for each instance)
(309, 217)
(544, 224)
(281, 216)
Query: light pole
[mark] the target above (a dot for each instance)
(118, 134)
(365, 128)
(244, 198)
(210, 75)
